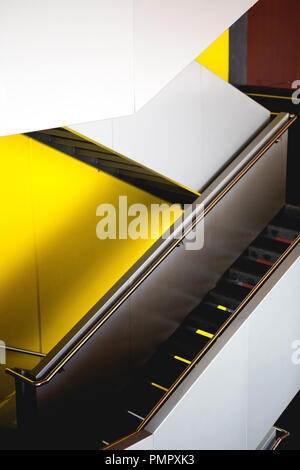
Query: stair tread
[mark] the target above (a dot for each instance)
(247, 265)
(285, 220)
(269, 244)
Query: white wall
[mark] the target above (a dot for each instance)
(274, 355)
(69, 61)
(188, 131)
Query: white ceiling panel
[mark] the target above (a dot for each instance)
(188, 131)
(63, 62)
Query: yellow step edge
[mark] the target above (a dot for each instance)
(182, 359)
(159, 386)
(204, 333)
(221, 307)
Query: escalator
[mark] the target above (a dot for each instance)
(123, 361)
(204, 322)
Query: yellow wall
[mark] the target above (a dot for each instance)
(216, 56)
(54, 264)
(18, 289)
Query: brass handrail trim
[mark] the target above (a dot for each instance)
(262, 95)
(285, 434)
(120, 440)
(83, 340)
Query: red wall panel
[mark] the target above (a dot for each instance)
(274, 43)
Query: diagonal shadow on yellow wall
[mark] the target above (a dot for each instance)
(71, 267)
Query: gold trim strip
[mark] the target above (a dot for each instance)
(273, 96)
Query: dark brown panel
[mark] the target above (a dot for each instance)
(238, 37)
(274, 43)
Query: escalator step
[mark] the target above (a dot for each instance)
(184, 344)
(231, 291)
(220, 302)
(249, 266)
(206, 332)
(162, 370)
(206, 318)
(262, 256)
(269, 245)
(246, 272)
(222, 299)
(287, 218)
(281, 233)
(238, 281)
(142, 399)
